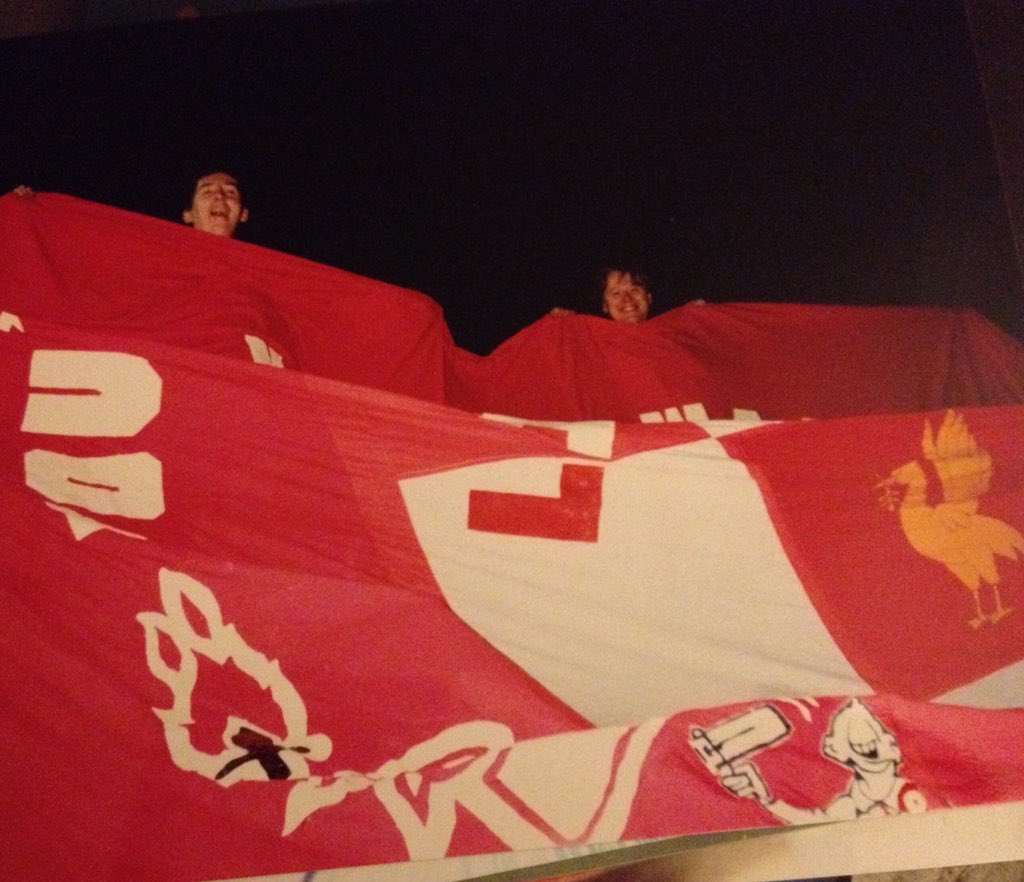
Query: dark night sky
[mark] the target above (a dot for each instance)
(489, 153)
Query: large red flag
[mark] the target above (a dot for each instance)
(91, 266)
(224, 628)
(261, 620)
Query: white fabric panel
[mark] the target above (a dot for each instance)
(687, 599)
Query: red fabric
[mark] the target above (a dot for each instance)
(281, 500)
(94, 267)
(91, 266)
(902, 617)
(232, 643)
(784, 361)
(273, 491)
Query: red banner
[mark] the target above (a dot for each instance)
(778, 360)
(260, 620)
(95, 267)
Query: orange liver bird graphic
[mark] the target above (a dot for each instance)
(951, 531)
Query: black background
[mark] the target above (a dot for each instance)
(491, 153)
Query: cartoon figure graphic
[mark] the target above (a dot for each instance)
(858, 740)
(952, 531)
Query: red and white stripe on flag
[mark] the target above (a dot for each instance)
(229, 596)
(907, 533)
(311, 624)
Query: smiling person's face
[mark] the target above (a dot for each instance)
(625, 299)
(216, 205)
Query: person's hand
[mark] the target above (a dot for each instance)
(746, 781)
(560, 310)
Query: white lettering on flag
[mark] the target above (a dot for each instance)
(98, 395)
(129, 485)
(693, 413)
(10, 322)
(94, 394)
(262, 352)
(82, 525)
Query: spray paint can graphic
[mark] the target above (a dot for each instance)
(737, 738)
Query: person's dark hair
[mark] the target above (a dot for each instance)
(223, 169)
(638, 274)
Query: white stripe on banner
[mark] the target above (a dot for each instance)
(686, 599)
